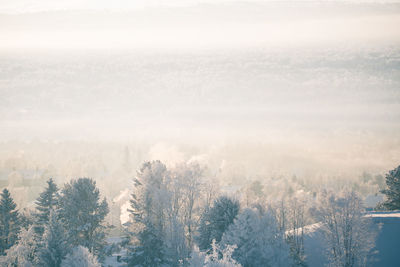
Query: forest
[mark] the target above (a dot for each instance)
(180, 217)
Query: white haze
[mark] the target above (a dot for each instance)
(305, 88)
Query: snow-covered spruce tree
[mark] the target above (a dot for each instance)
(46, 201)
(216, 220)
(80, 257)
(82, 214)
(9, 221)
(393, 190)
(147, 249)
(216, 257)
(22, 253)
(54, 246)
(26, 217)
(348, 234)
(258, 240)
(149, 200)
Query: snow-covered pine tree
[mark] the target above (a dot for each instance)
(80, 257)
(393, 190)
(46, 201)
(54, 246)
(216, 220)
(26, 217)
(82, 213)
(163, 211)
(9, 221)
(148, 248)
(23, 253)
(258, 240)
(148, 204)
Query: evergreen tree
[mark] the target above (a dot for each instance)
(148, 206)
(45, 203)
(149, 248)
(216, 220)
(393, 190)
(258, 239)
(26, 217)
(54, 245)
(22, 253)
(82, 213)
(9, 221)
(80, 257)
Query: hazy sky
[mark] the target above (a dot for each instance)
(201, 24)
(307, 75)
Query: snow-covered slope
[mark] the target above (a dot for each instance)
(387, 242)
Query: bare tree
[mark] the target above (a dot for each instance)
(347, 232)
(291, 214)
(188, 183)
(295, 235)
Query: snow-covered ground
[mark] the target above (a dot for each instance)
(112, 261)
(387, 242)
(384, 215)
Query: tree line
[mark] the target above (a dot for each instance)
(66, 229)
(179, 218)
